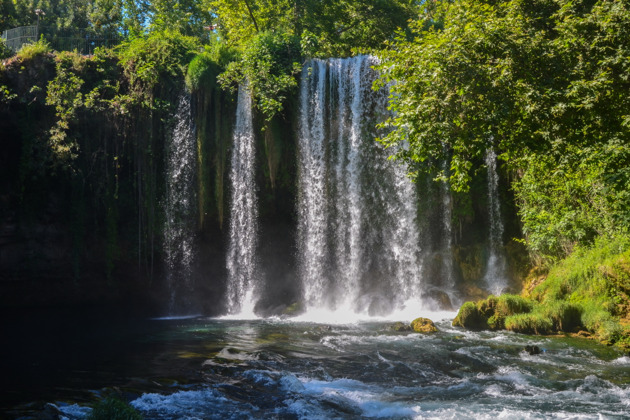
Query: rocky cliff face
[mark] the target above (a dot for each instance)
(93, 231)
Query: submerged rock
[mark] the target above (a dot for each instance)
(400, 327)
(423, 325)
(532, 350)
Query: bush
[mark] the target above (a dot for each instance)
(161, 55)
(269, 65)
(31, 51)
(113, 409)
(5, 52)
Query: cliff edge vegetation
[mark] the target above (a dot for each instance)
(586, 294)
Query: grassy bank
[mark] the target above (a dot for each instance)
(587, 293)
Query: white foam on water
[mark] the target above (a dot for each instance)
(408, 311)
(369, 399)
(190, 405)
(72, 411)
(621, 361)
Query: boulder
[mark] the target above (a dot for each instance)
(423, 325)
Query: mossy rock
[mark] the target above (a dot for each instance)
(400, 327)
(488, 307)
(508, 304)
(470, 317)
(533, 323)
(423, 325)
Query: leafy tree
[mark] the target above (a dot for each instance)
(189, 17)
(268, 66)
(8, 16)
(545, 83)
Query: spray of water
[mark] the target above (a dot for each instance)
(242, 267)
(358, 238)
(495, 276)
(179, 207)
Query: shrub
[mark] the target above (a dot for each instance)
(31, 51)
(269, 65)
(5, 52)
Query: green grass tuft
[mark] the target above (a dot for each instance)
(112, 408)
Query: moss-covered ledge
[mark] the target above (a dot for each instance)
(587, 294)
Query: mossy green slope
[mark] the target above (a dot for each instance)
(588, 292)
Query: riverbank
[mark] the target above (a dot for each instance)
(587, 294)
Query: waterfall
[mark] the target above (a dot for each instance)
(495, 276)
(358, 240)
(179, 207)
(447, 232)
(242, 266)
(312, 206)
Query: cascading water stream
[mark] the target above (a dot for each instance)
(242, 266)
(495, 276)
(447, 229)
(312, 227)
(358, 239)
(179, 207)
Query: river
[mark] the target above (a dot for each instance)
(204, 368)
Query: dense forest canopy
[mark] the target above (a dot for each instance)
(542, 82)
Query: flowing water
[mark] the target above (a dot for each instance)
(358, 240)
(204, 368)
(241, 258)
(360, 251)
(179, 207)
(496, 271)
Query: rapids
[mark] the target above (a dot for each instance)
(201, 368)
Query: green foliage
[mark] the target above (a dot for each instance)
(508, 304)
(5, 52)
(8, 18)
(185, 16)
(324, 28)
(588, 290)
(64, 94)
(154, 58)
(34, 50)
(112, 408)
(206, 66)
(532, 323)
(274, 36)
(268, 67)
(470, 317)
(545, 83)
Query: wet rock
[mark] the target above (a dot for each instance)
(441, 299)
(400, 327)
(323, 328)
(423, 325)
(532, 350)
